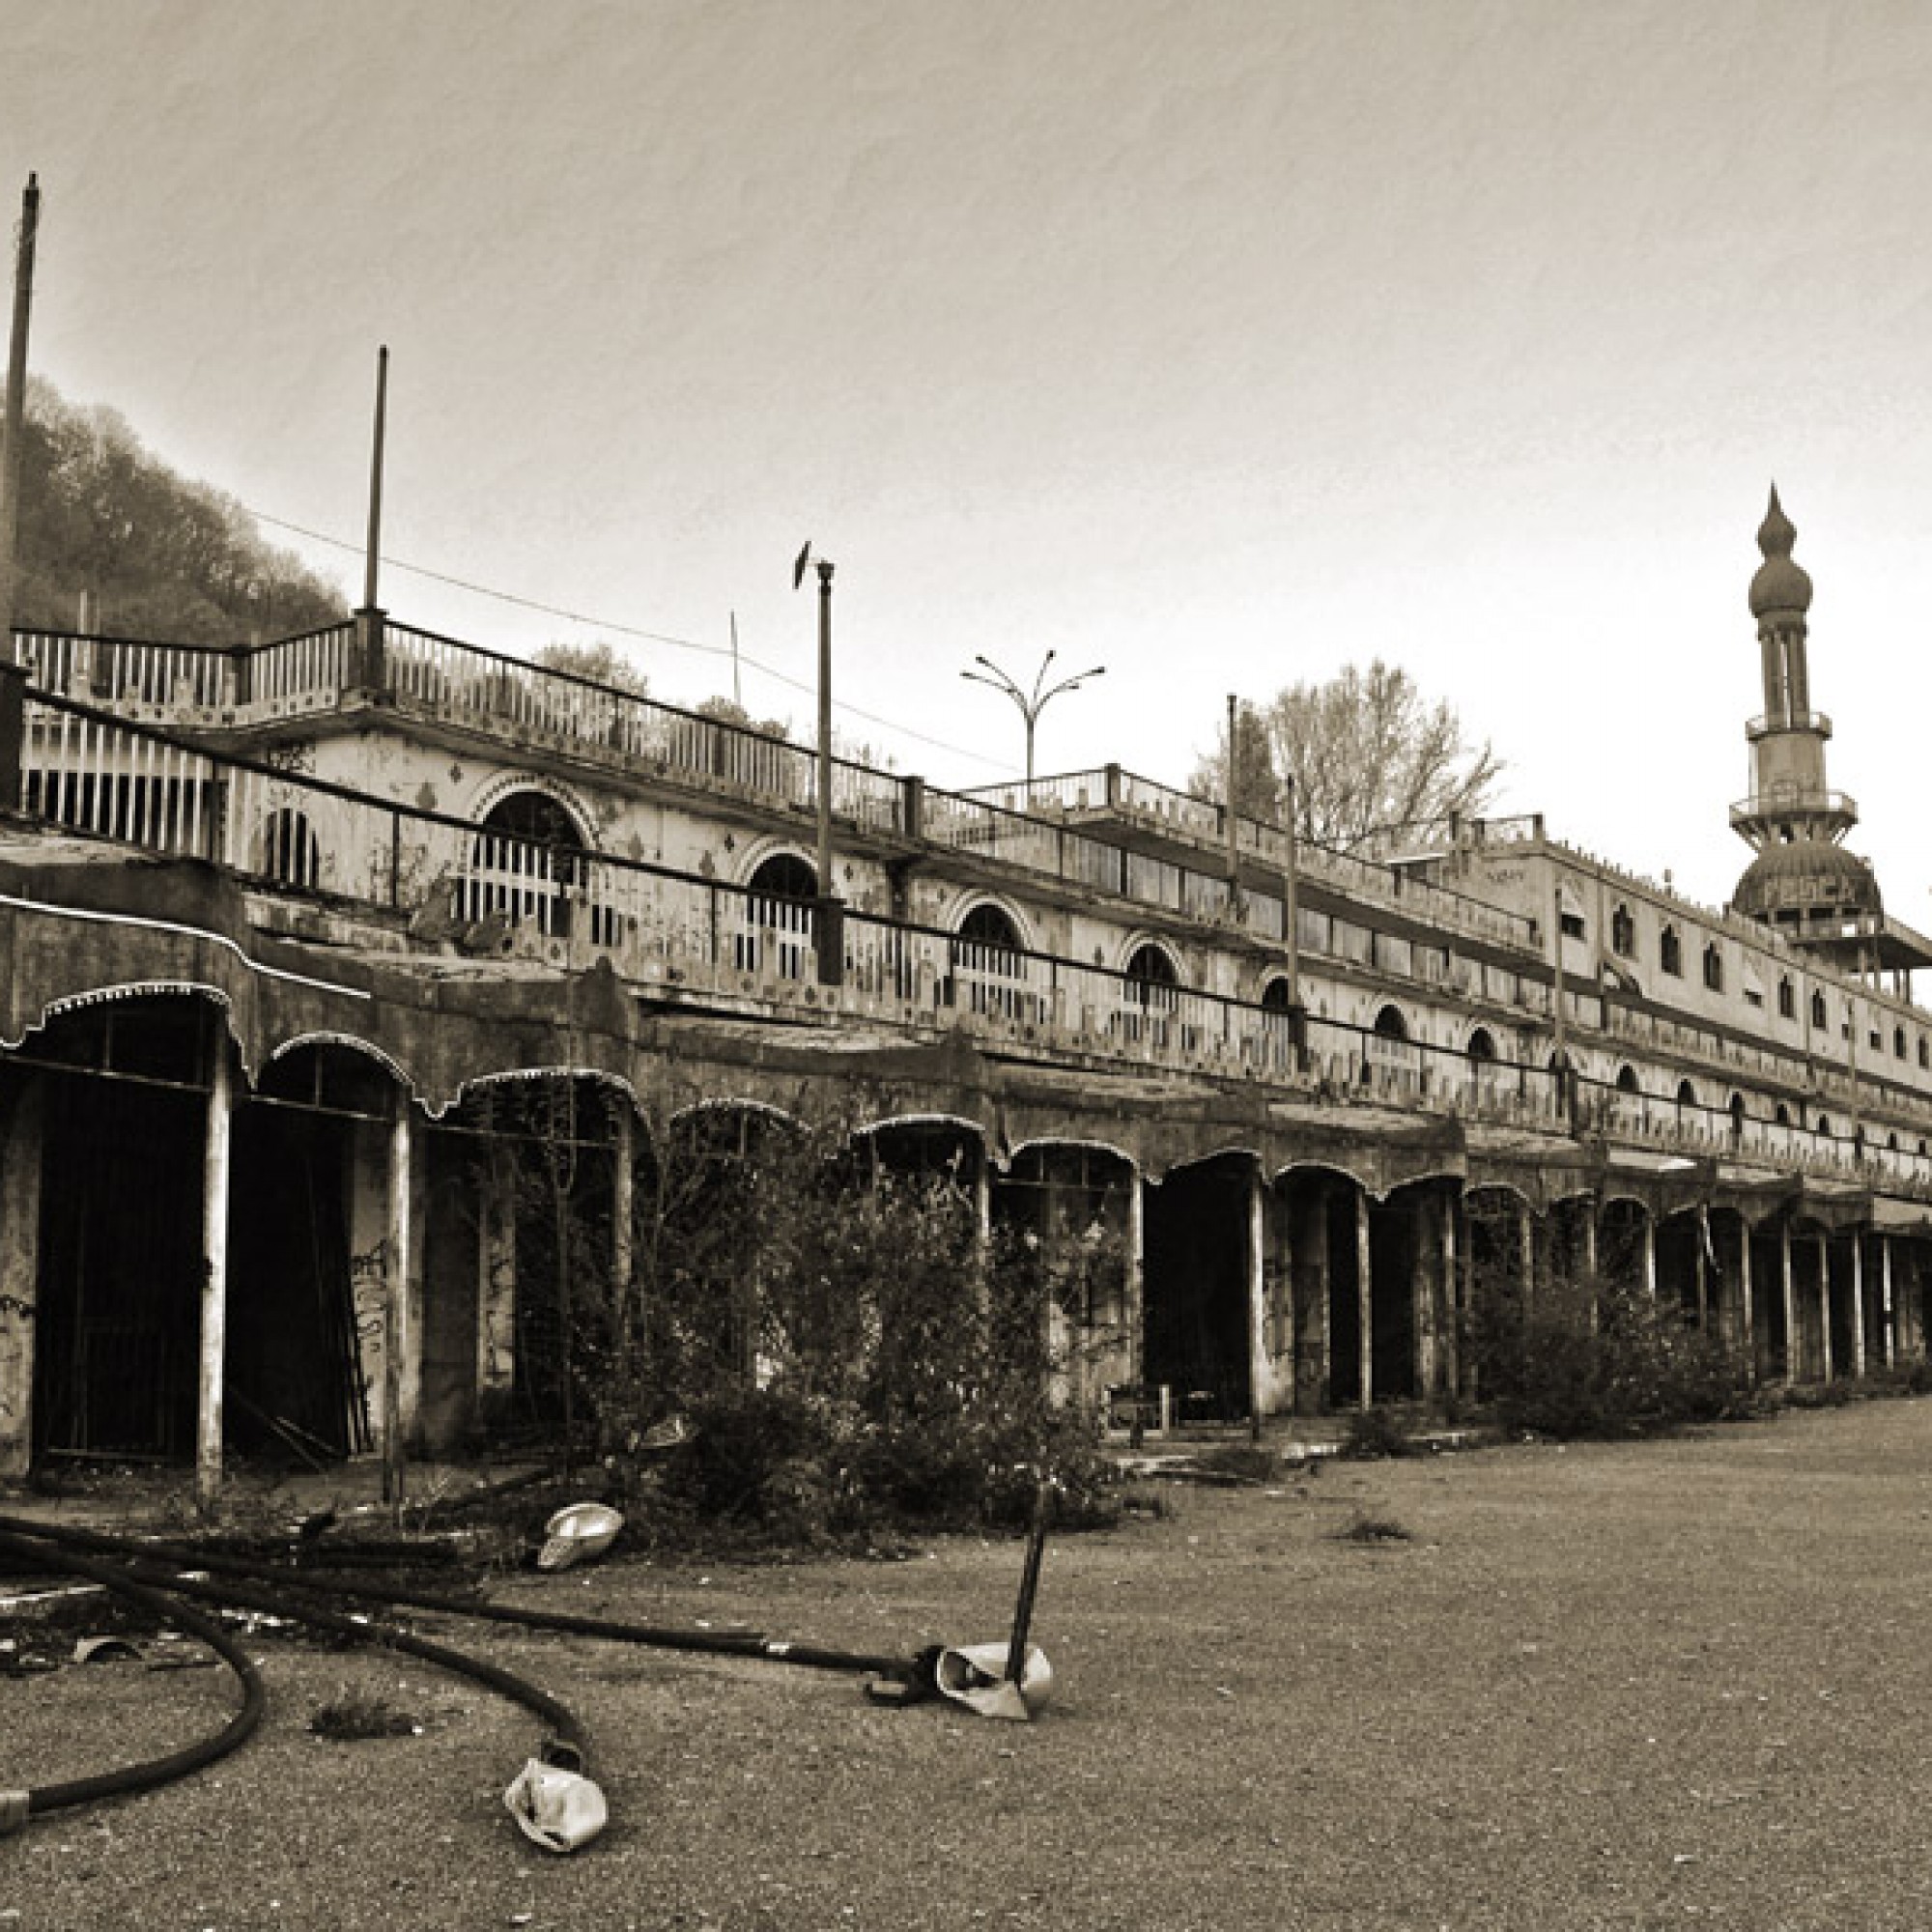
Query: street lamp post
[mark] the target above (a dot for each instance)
(1031, 703)
(827, 927)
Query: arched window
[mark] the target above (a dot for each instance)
(777, 930)
(1150, 993)
(1151, 977)
(1924, 1052)
(1822, 1128)
(288, 851)
(1738, 1114)
(524, 860)
(1687, 1098)
(1671, 951)
(1276, 996)
(988, 962)
(1787, 1000)
(1390, 1024)
(1782, 1115)
(1627, 1080)
(1623, 932)
(1898, 1042)
(1818, 1012)
(1713, 967)
(1482, 1048)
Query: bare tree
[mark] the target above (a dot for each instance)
(601, 662)
(1372, 762)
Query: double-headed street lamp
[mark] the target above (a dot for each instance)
(1031, 703)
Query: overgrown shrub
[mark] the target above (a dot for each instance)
(1375, 1433)
(847, 1352)
(1589, 1357)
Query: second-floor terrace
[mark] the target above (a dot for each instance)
(341, 867)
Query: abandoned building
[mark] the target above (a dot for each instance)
(284, 924)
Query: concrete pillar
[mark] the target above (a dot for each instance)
(218, 1145)
(1425, 1293)
(1886, 1302)
(1365, 1305)
(20, 1157)
(1703, 1271)
(1825, 1303)
(495, 1285)
(1451, 1338)
(983, 1198)
(402, 1353)
(623, 1258)
(1135, 1288)
(1308, 1286)
(1261, 1362)
(1649, 1255)
(1590, 1237)
(1857, 1306)
(1747, 1299)
(1790, 1304)
(1526, 1252)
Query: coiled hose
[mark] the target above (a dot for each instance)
(155, 1585)
(17, 1806)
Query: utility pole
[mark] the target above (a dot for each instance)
(829, 932)
(16, 406)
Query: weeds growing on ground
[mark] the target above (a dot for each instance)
(355, 1715)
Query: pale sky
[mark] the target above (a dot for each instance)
(1221, 343)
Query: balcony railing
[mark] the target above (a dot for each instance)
(87, 772)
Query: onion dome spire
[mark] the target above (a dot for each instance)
(1779, 584)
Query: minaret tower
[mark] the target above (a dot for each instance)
(1803, 879)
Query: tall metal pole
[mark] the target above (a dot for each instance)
(825, 887)
(1232, 795)
(16, 406)
(376, 481)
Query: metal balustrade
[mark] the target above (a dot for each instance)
(91, 773)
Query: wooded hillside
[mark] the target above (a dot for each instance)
(164, 558)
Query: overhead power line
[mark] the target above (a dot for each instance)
(610, 625)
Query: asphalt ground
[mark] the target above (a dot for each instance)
(1632, 1686)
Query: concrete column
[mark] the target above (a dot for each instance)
(1746, 1299)
(1451, 1349)
(1590, 1235)
(216, 1150)
(402, 1355)
(1260, 1360)
(983, 1198)
(1526, 1252)
(1365, 1305)
(20, 1157)
(1310, 1286)
(496, 1287)
(1135, 1290)
(1857, 1306)
(1887, 1303)
(1703, 1271)
(623, 1258)
(1824, 1304)
(1790, 1304)
(1649, 1255)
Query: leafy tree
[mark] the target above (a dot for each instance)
(726, 712)
(1259, 792)
(161, 557)
(601, 662)
(1371, 758)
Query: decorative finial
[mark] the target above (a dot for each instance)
(1779, 584)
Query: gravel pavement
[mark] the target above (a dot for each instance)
(1643, 1686)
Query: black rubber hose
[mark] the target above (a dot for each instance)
(725, 1643)
(141, 1566)
(45, 1797)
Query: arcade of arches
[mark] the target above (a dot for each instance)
(303, 1263)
